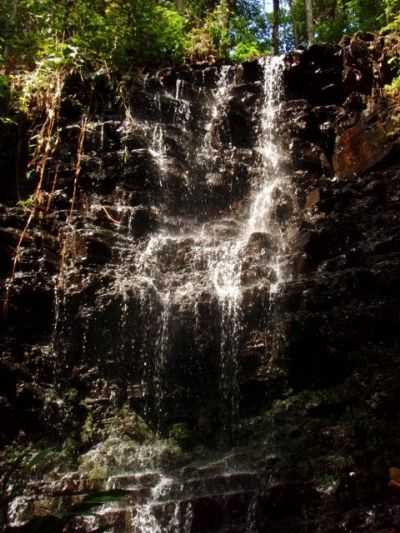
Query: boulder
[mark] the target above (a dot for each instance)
(362, 146)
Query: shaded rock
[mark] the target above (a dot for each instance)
(144, 220)
(312, 199)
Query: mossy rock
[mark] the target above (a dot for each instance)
(182, 435)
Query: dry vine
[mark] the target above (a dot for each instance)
(47, 142)
(64, 234)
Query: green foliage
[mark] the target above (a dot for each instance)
(392, 9)
(217, 24)
(298, 18)
(222, 34)
(246, 51)
(334, 18)
(44, 37)
(394, 88)
(394, 25)
(4, 87)
(41, 84)
(331, 21)
(169, 33)
(364, 15)
(200, 45)
(91, 32)
(135, 31)
(210, 37)
(246, 46)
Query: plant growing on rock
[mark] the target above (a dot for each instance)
(122, 422)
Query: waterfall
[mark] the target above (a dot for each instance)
(159, 151)
(219, 100)
(161, 360)
(162, 277)
(175, 291)
(273, 181)
(226, 266)
(213, 255)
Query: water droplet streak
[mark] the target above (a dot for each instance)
(215, 253)
(226, 267)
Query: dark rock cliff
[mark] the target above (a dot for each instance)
(94, 366)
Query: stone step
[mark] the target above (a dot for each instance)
(217, 484)
(206, 513)
(69, 484)
(108, 520)
(133, 481)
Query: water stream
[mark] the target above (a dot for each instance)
(212, 254)
(187, 261)
(220, 259)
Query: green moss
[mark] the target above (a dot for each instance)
(102, 423)
(125, 422)
(182, 435)
(119, 454)
(98, 472)
(88, 429)
(20, 463)
(4, 87)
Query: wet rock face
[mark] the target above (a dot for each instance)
(338, 123)
(113, 311)
(315, 74)
(366, 143)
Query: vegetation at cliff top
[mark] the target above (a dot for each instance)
(121, 33)
(39, 39)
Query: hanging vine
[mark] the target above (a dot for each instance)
(47, 140)
(64, 233)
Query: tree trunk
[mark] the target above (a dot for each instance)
(294, 24)
(309, 21)
(180, 5)
(275, 27)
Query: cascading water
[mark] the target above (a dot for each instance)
(158, 150)
(192, 273)
(207, 253)
(222, 261)
(261, 218)
(226, 267)
(220, 96)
